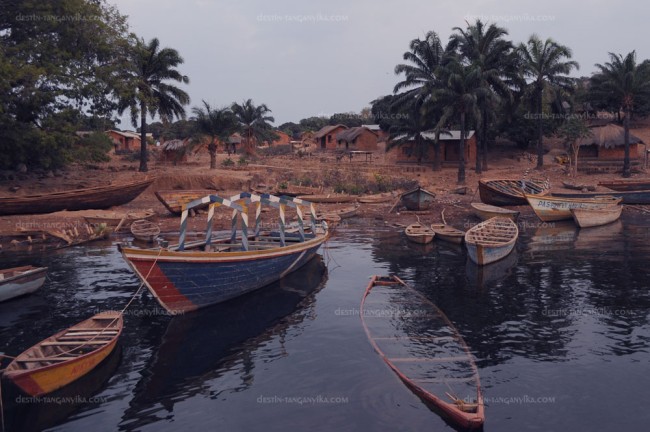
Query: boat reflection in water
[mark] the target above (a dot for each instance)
(208, 343)
(494, 272)
(26, 414)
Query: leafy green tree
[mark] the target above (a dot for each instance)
(313, 123)
(573, 130)
(215, 124)
(547, 65)
(623, 85)
(254, 123)
(412, 128)
(147, 89)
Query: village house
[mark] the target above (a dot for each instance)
(124, 142)
(357, 138)
(604, 149)
(449, 149)
(326, 137)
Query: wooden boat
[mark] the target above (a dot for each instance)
(425, 350)
(592, 217)
(18, 281)
(502, 192)
(100, 197)
(627, 185)
(483, 275)
(113, 218)
(491, 240)
(186, 277)
(145, 230)
(448, 233)
(486, 211)
(174, 199)
(375, 199)
(335, 216)
(66, 356)
(629, 197)
(578, 186)
(553, 208)
(419, 233)
(328, 199)
(289, 190)
(417, 199)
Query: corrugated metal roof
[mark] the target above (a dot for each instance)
(452, 135)
(327, 129)
(350, 134)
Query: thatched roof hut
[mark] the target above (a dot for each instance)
(608, 136)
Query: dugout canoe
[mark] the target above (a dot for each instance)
(419, 233)
(19, 281)
(487, 211)
(100, 197)
(491, 240)
(627, 197)
(66, 356)
(626, 185)
(504, 192)
(448, 233)
(424, 349)
(591, 217)
(329, 198)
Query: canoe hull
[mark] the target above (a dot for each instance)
(550, 209)
(417, 199)
(173, 199)
(482, 254)
(26, 283)
(448, 234)
(628, 197)
(100, 197)
(186, 281)
(626, 185)
(507, 192)
(491, 240)
(328, 199)
(488, 211)
(586, 218)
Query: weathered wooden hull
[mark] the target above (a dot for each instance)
(487, 211)
(375, 199)
(435, 355)
(328, 199)
(448, 233)
(417, 199)
(186, 281)
(419, 234)
(586, 218)
(508, 192)
(629, 197)
(144, 230)
(174, 199)
(19, 281)
(100, 197)
(626, 185)
(491, 240)
(112, 219)
(46, 379)
(553, 208)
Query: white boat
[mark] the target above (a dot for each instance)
(550, 209)
(18, 281)
(592, 217)
(487, 211)
(491, 240)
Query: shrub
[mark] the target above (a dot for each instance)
(227, 162)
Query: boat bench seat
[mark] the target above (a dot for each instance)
(45, 359)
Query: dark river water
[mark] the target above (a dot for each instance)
(560, 331)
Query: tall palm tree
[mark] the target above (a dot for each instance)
(414, 92)
(546, 64)
(485, 49)
(147, 91)
(623, 85)
(460, 96)
(254, 123)
(216, 124)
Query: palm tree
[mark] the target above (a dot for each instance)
(460, 96)
(411, 128)
(544, 63)
(254, 123)
(486, 50)
(623, 85)
(216, 124)
(147, 90)
(424, 58)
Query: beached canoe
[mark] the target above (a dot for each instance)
(66, 356)
(448, 233)
(627, 185)
(504, 192)
(419, 233)
(627, 197)
(100, 197)
(552, 208)
(145, 230)
(329, 198)
(375, 199)
(112, 218)
(491, 240)
(486, 211)
(424, 349)
(597, 216)
(174, 199)
(18, 281)
(417, 199)
(192, 275)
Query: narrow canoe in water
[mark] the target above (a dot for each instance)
(422, 346)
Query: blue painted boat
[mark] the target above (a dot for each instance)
(491, 240)
(417, 199)
(187, 277)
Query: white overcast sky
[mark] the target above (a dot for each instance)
(305, 58)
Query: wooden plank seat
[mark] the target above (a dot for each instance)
(72, 343)
(45, 359)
